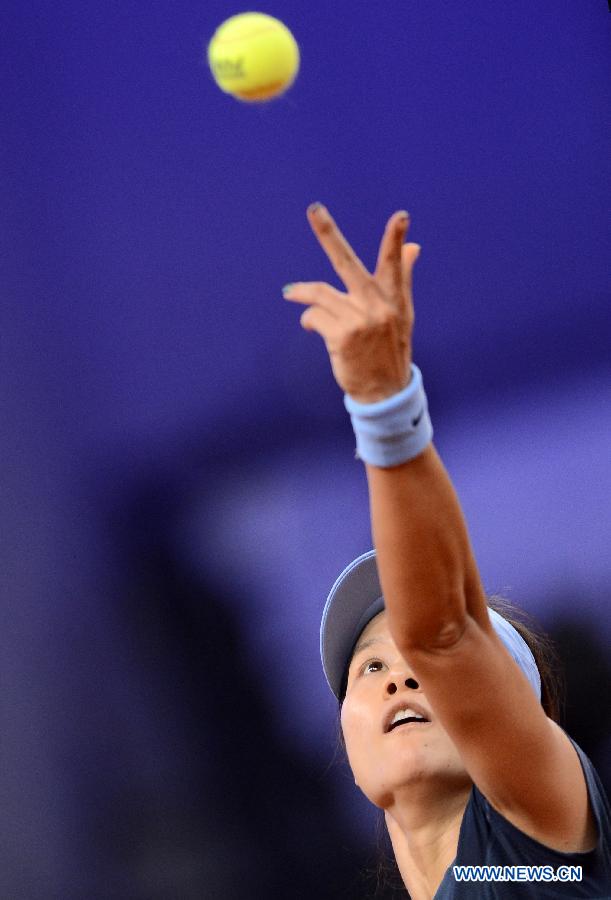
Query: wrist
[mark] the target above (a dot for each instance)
(377, 395)
(395, 429)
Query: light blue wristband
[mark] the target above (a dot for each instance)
(394, 430)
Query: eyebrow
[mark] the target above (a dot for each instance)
(362, 645)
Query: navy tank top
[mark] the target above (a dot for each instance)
(487, 839)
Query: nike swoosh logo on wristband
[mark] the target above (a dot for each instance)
(417, 418)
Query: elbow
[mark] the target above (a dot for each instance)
(426, 636)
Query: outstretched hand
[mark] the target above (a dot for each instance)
(368, 330)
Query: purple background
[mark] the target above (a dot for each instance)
(179, 489)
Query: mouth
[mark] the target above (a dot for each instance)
(400, 716)
(410, 719)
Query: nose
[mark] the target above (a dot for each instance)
(411, 683)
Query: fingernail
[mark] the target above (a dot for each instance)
(287, 288)
(403, 215)
(314, 207)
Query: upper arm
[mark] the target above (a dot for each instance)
(520, 760)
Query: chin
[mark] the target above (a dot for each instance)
(411, 767)
(401, 775)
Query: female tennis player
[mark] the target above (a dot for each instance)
(440, 695)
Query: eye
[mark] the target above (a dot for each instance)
(372, 665)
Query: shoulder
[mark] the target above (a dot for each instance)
(487, 838)
(503, 843)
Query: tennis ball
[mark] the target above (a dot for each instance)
(253, 56)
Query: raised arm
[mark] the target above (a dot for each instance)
(436, 607)
(418, 527)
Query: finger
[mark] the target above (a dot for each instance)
(314, 318)
(320, 294)
(388, 272)
(341, 255)
(409, 255)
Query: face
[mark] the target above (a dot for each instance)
(392, 761)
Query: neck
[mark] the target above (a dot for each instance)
(424, 832)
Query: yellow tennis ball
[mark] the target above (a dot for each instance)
(253, 56)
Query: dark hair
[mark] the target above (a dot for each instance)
(388, 881)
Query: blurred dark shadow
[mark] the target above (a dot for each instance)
(236, 815)
(587, 672)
